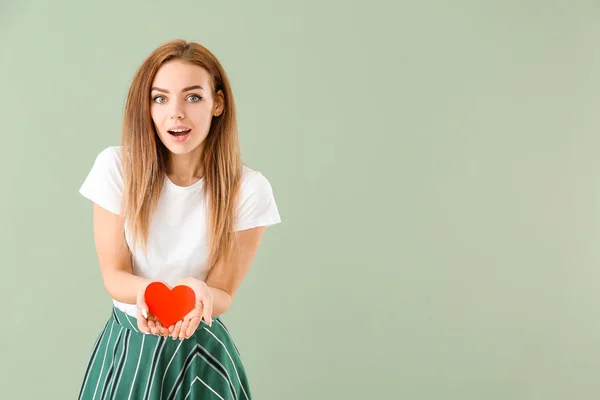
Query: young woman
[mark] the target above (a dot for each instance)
(174, 204)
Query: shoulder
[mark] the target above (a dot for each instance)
(110, 157)
(109, 162)
(256, 205)
(104, 181)
(254, 182)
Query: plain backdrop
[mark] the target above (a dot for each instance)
(435, 164)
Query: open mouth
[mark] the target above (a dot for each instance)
(179, 132)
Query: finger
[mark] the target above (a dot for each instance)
(184, 327)
(207, 314)
(159, 327)
(152, 326)
(192, 326)
(142, 306)
(177, 329)
(142, 323)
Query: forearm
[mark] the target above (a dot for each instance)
(221, 301)
(123, 286)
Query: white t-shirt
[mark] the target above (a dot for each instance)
(177, 240)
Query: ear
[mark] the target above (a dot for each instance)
(219, 103)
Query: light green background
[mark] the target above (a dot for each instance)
(435, 164)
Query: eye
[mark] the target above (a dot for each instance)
(194, 98)
(157, 99)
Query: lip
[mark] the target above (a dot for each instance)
(180, 139)
(182, 127)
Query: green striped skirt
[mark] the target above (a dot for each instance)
(127, 364)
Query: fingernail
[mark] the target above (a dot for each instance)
(144, 313)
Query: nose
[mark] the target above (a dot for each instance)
(176, 111)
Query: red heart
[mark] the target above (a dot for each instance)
(169, 306)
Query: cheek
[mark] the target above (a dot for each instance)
(202, 115)
(156, 116)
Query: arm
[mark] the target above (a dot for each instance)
(225, 279)
(222, 300)
(113, 256)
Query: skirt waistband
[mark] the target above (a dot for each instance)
(128, 322)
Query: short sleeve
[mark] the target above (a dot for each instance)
(104, 182)
(257, 206)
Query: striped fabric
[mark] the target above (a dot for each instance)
(127, 364)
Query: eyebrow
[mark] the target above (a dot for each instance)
(186, 89)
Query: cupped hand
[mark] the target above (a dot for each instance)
(146, 321)
(203, 307)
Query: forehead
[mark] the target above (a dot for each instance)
(178, 74)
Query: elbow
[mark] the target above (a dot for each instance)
(222, 301)
(108, 279)
(225, 302)
(115, 284)
(228, 300)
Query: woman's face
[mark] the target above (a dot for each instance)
(182, 105)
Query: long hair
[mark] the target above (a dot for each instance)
(145, 156)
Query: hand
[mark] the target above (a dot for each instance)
(146, 321)
(203, 308)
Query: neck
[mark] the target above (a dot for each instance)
(185, 169)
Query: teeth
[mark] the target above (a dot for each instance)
(180, 130)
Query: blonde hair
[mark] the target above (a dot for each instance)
(145, 156)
